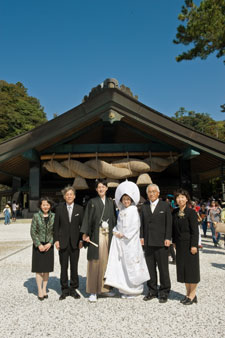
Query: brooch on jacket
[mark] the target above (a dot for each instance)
(181, 214)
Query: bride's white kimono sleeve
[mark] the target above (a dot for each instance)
(127, 269)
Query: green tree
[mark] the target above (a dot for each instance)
(204, 28)
(201, 122)
(19, 112)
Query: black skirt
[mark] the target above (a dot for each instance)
(42, 261)
(188, 268)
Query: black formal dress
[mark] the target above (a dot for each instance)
(68, 234)
(156, 227)
(185, 235)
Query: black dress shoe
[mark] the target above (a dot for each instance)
(183, 299)
(190, 302)
(74, 294)
(40, 298)
(149, 296)
(163, 299)
(62, 297)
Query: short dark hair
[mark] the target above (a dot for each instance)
(102, 181)
(47, 199)
(182, 191)
(68, 188)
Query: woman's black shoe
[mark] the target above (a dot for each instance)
(46, 296)
(40, 298)
(190, 302)
(183, 299)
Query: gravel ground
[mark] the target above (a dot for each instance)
(23, 315)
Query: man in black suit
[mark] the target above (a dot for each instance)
(68, 220)
(156, 231)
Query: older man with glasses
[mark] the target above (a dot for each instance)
(156, 232)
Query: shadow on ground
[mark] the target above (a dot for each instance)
(53, 284)
(219, 266)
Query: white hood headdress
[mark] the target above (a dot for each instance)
(129, 188)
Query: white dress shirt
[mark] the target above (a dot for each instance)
(70, 210)
(153, 205)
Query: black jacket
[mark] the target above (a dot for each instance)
(63, 229)
(185, 228)
(91, 223)
(156, 226)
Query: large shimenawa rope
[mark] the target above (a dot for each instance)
(116, 170)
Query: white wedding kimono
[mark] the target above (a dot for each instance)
(127, 269)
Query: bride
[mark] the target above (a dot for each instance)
(127, 269)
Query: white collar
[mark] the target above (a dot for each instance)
(70, 205)
(155, 202)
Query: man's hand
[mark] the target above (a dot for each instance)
(81, 245)
(86, 238)
(47, 246)
(142, 241)
(167, 242)
(57, 245)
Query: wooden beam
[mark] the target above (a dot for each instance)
(122, 154)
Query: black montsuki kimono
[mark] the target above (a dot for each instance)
(92, 222)
(185, 235)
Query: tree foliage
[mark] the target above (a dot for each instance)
(201, 122)
(19, 112)
(204, 28)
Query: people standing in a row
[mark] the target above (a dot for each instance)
(127, 269)
(68, 242)
(99, 220)
(185, 237)
(43, 248)
(156, 233)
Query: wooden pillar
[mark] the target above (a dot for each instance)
(185, 174)
(34, 186)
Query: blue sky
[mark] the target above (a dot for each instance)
(60, 50)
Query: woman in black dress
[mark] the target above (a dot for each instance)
(43, 249)
(185, 239)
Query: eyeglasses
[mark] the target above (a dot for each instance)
(153, 192)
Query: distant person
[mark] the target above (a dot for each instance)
(43, 249)
(14, 211)
(99, 220)
(7, 214)
(185, 238)
(67, 238)
(156, 232)
(203, 214)
(214, 216)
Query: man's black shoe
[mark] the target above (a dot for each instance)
(149, 296)
(62, 297)
(74, 294)
(163, 299)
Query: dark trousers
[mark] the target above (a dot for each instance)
(158, 256)
(66, 255)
